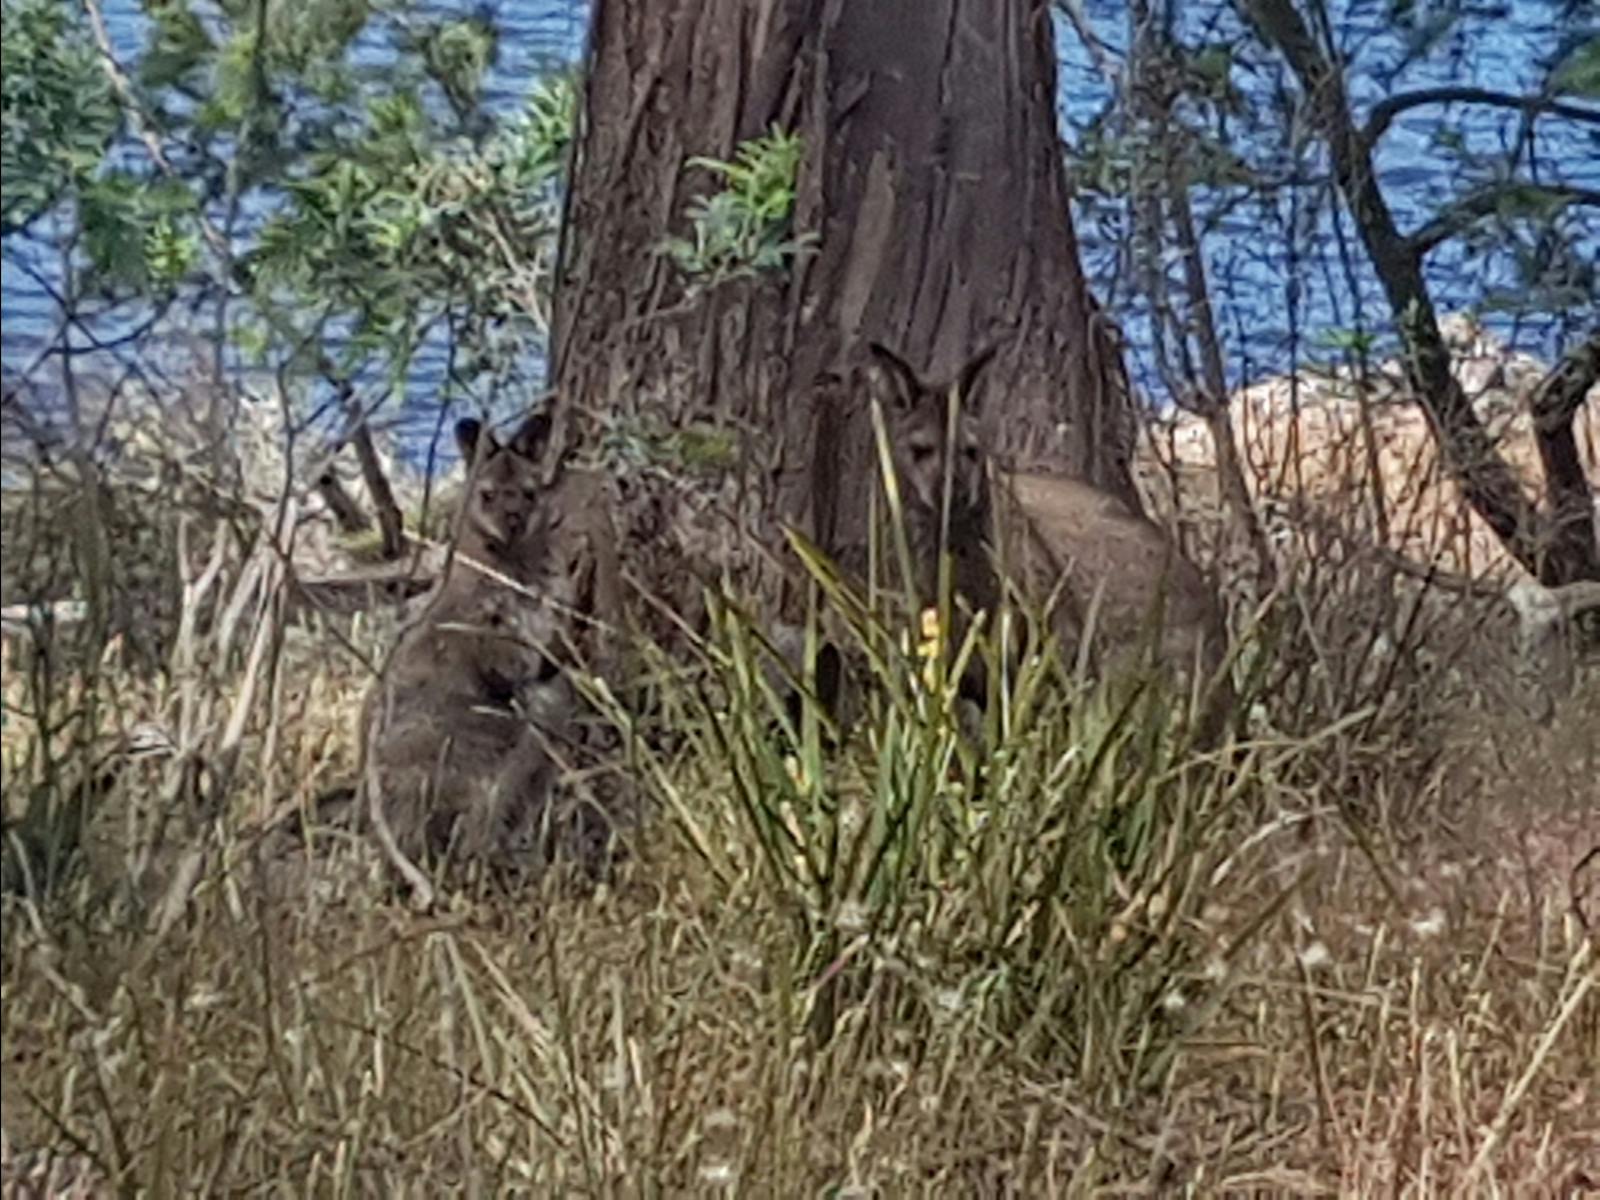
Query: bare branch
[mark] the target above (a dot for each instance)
(1151, 66)
(362, 591)
(390, 522)
(1553, 405)
(1084, 28)
(341, 503)
(1461, 215)
(1385, 111)
(1469, 453)
(14, 408)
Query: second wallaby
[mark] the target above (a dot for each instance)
(463, 734)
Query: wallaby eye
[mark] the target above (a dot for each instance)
(486, 495)
(530, 494)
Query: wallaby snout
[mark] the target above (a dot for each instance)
(925, 448)
(504, 500)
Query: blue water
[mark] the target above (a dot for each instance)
(1274, 294)
(1267, 285)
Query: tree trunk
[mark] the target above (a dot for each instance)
(933, 183)
(1554, 406)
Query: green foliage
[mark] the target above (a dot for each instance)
(400, 223)
(457, 54)
(1579, 73)
(1424, 27)
(1206, 72)
(651, 443)
(369, 198)
(1120, 165)
(138, 235)
(743, 229)
(1553, 271)
(57, 114)
(546, 127)
(1529, 201)
(1358, 342)
(994, 865)
(177, 50)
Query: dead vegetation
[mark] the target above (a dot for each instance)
(1357, 958)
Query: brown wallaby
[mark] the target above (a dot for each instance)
(926, 450)
(462, 733)
(1054, 537)
(1127, 577)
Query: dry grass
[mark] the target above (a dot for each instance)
(650, 1040)
(1359, 962)
(1420, 1020)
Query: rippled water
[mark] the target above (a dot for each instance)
(1257, 270)
(535, 36)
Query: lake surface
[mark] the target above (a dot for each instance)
(1274, 293)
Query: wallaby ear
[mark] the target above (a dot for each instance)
(904, 386)
(534, 436)
(967, 380)
(469, 432)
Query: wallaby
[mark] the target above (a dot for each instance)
(921, 454)
(462, 731)
(1128, 578)
(1057, 539)
(926, 450)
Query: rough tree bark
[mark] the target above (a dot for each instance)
(933, 182)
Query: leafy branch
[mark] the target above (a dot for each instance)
(1386, 110)
(742, 229)
(1507, 198)
(57, 114)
